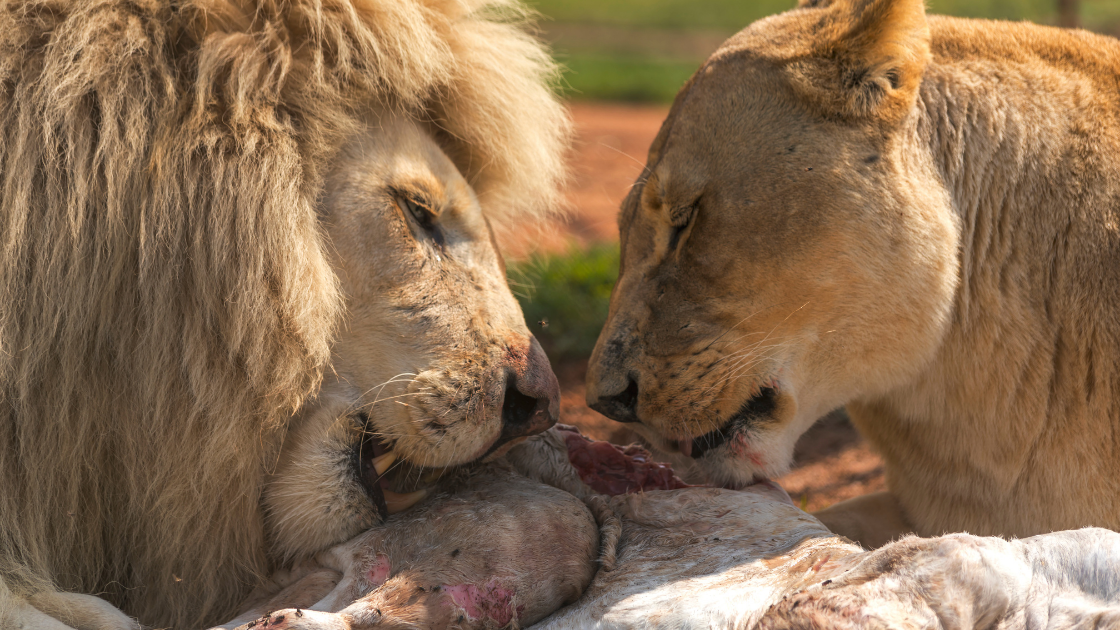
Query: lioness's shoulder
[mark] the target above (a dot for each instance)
(959, 39)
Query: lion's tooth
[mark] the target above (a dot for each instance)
(432, 475)
(382, 463)
(401, 502)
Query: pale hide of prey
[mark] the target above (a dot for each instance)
(511, 543)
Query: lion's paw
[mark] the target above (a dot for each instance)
(65, 611)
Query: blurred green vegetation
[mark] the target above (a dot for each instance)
(565, 297)
(644, 50)
(625, 77)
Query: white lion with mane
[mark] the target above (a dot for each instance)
(228, 228)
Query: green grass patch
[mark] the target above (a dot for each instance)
(621, 78)
(565, 297)
(1102, 15)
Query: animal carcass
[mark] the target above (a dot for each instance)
(541, 533)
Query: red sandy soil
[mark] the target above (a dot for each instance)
(832, 462)
(608, 154)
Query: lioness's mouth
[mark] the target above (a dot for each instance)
(759, 407)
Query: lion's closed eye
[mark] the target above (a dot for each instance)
(422, 213)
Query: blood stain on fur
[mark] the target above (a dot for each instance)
(379, 571)
(491, 601)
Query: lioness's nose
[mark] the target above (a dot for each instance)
(532, 398)
(612, 386)
(620, 407)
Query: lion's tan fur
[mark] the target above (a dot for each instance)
(166, 301)
(916, 218)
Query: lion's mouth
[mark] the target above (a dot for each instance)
(374, 458)
(755, 410)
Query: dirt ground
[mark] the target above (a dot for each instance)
(609, 152)
(832, 462)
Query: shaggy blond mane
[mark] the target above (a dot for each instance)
(165, 300)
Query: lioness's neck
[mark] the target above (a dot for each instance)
(1025, 134)
(1023, 129)
(1019, 134)
(1022, 124)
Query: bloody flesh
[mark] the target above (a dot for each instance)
(614, 470)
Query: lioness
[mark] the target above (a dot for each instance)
(248, 285)
(919, 218)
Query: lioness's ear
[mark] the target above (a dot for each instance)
(879, 48)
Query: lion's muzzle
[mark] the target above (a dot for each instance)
(532, 397)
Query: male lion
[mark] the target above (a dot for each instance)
(205, 207)
(851, 204)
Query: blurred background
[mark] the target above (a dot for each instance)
(624, 61)
(643, 50)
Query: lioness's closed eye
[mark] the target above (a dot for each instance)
(852, 203)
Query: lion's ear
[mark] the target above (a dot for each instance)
(879, 48)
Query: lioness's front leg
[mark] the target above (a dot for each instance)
(871, 520)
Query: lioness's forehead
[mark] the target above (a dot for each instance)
(740, 131)
(737, 128)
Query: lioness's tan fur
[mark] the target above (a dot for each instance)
(919, 218)
(1023, 398)
(166, 301)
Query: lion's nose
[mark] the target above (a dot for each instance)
(620, 407)
(532, 397)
